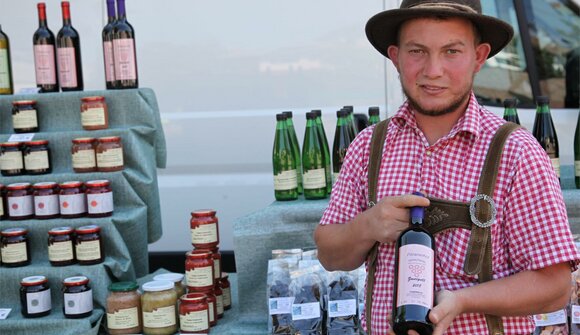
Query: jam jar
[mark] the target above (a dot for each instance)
(99, 198)
(24, 117)
(219, 298)
(72, 199)
(89, 245)
(212, 307)
(11, 159)
(194, 314)
(78, 297)
(15, 248)
(83, 155)
(109, 154)
(177, 280)
(3, 210)
(61, 250)
(158, 304)
(226, 290)
(35, 298)
(94, 113)
(124, 309)
(37, 157)
(20, 201)
(46, 205)
(204, 229)
(199, 271)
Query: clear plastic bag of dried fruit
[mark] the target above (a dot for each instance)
(280, 299)
(342, 306)
(308, 290)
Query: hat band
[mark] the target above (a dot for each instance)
(446, 5)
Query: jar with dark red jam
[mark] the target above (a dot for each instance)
(15, 249)
(35, 298)
(89, 245)
(94, 113)
(110, 154)
(72, 199)
(199, 271)
(226, 290)
(20, 201)
(46, 205)
(99, 198)
(37, 157)
(194, 314)
(219, 297)
(78, 297)
(83, 155)
(3, 209)
(204, 229)
(61, 250)
(212, 307)
(24, 116)
(11, 159)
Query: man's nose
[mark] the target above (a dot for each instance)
(433, 67)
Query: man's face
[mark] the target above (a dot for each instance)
(437, 61)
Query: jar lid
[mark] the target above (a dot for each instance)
(158, 285)
(93, 98)
(23, 102)
(33, 280)
(60, 231)
(199, 254)
(37, 142)
(124, 286)
(45, 185)
(18, 186)
(83, 140)
(71, 184)
(109, 139)
(193, 297)
(98, 183)
(203, 212)
(88, 229)
(14, 232)
(10, 144)
(75, 281)
(172, 277)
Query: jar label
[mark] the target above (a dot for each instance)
(20, 206)
(217, 269)
(67, 67)
(11, 160)
(100, 203)
(109, 65)
(219, 303)
(46, 205)
(110, 158)
(415, 278)
(44, 64)
(14, 253)
(36, 160)
(38, 302)
(194, 321)
(556, 165)
(227, 294)
(84, 159)
(204, 233)
(93, 117)
(125, 318)
(73, 204)
(88, 250)
(160, 317)
(60, 251)
(340, 308)
(4, 70)
(200, 277)
(210, 309)
(25, 119)
(314, 179)
(125, 62)
(78, 303)
(285, 180)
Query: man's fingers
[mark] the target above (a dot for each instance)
(409, 200)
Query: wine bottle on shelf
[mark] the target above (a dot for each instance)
(68, 54)
(124, 52)
(414, 290)
(510, 112)
(326, 148)
(545, 132)
(284, 163)
(44, 54)
(341, 142)
(577, 153)
(354, 129)
(295, 149)
(6, 83)
(107, 37)
(313, 163)
(374, 117)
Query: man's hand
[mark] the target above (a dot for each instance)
(447, 308)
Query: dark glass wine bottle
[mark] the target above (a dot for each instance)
(107, 37)
(414, 291)
(295, 149)
(577, 153)
(124, 52)
(374, 117)
(510, 112)
(44, 54)
(313, 163)
(284, 163)
(6, 83)
(68, 54)
(545, 132)
(326, 148)
(341, 142)
(354, 129)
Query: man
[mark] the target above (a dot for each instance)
(437, 143)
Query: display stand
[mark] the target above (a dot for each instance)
(136, 221)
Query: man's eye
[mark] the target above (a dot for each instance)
(452, 51)
(416, 51)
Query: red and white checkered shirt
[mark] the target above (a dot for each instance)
(531, 229)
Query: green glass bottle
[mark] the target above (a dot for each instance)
(350, 110)
(326, 148)
(313, 163)
(545, 132)
(510, 112)
(6, 84)
(577, 153)
(341, 142)
(374, 117)
(295, 149)
(284, 163)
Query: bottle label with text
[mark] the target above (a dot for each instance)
(314, 179)
(286, 180)
(109, 64)
(415, 278)
(125, 62)
(44, 64)
(4, 70)
(67, 67)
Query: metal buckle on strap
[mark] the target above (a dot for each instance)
(371, 204)
(474, 218)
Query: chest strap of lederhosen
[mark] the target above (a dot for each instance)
(443, 214)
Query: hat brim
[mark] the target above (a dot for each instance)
(382, 29)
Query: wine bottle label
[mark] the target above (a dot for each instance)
(550, 319)
(44, 64)
(125, 318)
(67, 67)
(415, 279)
(199, 277)
(4, 69)
(125, 62)
(338, 308)
(100, 203)
(280, 305)
(577, 168)
(36, 160)
(46, 205)
(286, 180)
(110, 158)
(84, 159)
(11, 160)
(204, 233)
(109, 64)
(72, 204)
(575, 314)
(25, 119)
(194, 321)
(60, 251)
(305, 311)
(21, 206)
(160, 317)
(314, 179)
(93, 117)
(556, 165)
(14, 253)
(78, 303)
(38, 302)
(88, 250)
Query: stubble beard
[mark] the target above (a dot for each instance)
(449, 108)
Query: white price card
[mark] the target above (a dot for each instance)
(4, 313)
(550, 319)
(575, 314)
(21, 137)
(280, 305)
(29, 90)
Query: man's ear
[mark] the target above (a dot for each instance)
(393, 52)
(481, 53)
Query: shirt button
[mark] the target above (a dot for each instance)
(428, 153)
